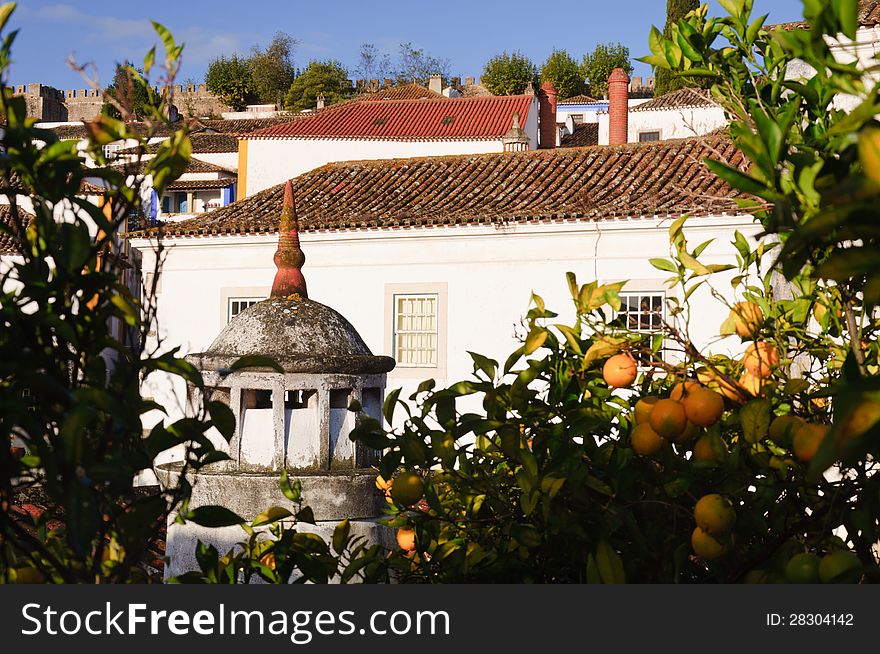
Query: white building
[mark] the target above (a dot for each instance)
(433, 257)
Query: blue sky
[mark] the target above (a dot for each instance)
(467, 32)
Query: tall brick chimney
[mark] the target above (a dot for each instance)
(547, 115)
(618, 107)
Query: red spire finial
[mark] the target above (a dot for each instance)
(289, 257)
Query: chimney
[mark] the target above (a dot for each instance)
(435, 84)
(469, 81)
(320, 101)
(516, 139)
(547, 116)
(388, 83)
(618, 107)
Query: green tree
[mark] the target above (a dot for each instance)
(230, 80)
(271, 69)
(126, 95)
(325, 78)
(666, 81)
(596, 67)
(416, 65)
(565, 74)
(509, 74)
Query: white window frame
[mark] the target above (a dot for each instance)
(405, 370)
(658, 132)
(651, 329)
(228, 293)
(251, 301)
(422, 336)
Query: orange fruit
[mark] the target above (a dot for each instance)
(802, 568)
(668, 419)
(683, 389)
(406, 539)
(840, 567)
(760, 358)
(714, 514)
(782, 429)
(690, 433)
(407, 488)
(748, 317)
(703, 407)
(646, 441)
(752, 384)
(861, 419)
(706, 546)
(643, 408)
(807, 440)
(620, 371)
(718, 384)
(710, 449)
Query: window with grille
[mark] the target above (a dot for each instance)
(649, 137)
(644, 313)
(111, 149)
(415, 330)
(577, 119)
(239, 304)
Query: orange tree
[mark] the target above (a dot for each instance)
(758, 467)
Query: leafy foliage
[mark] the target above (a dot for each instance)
(325, 78)
(665, 80)
(272, 69)
(509, 74)
(127, 94)
(230, 80)
(565, 74)
(597, 66)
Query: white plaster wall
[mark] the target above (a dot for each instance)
(490, 273)
(271, 162)
(227, 160)
(676, 123)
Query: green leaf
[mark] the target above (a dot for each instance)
(214, 516)
(755, 420)
(609, 564)
(869, 152)
(663, 264)
(271, 515)
(536, 338)
(222, 418)
(292, 491)
(340, 536)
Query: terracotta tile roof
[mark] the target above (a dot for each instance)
(202, 143)
(681, 99)
(438, 118)
(632, 180)
(192, 184)
(9, 244)
(580, 99)
(195, 166)
(246, 125)
(584, 134)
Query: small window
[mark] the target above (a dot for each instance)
(239, 304)
(649, 137)
(111, 149)
(577, 119)
(644, 313)
(415, 330)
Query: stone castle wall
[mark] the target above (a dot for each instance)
(53, 105)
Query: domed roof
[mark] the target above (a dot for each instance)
(301, 335)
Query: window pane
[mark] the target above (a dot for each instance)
(415, 330)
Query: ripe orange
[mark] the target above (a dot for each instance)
(620, 371)
(714, 514)
(752, 384)
(668, 419)
(861, 419)
(406, 539)
(703, 407)
(683, 389)
(802, 568)
(748, 317)
(646, 441)
(718, 384)
(706, 546)
(760, 358)
(807, 440)
(710, 449)
(840, 567)
(690, 433)
(782, 429)
(407, 488)
(643, 408)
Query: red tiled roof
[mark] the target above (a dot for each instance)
(9, 243)
(439, 118)
(584, 134)
(202, 142)
(579, 99)
(681, 99)
(194, 166)
(667, 178)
